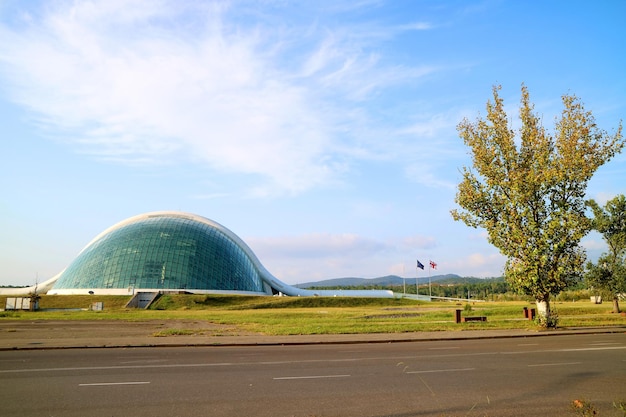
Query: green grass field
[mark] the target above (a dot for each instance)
(313, 315)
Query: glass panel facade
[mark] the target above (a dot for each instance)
(166, 252)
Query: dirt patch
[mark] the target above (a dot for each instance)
(393, 316)
(113, 329)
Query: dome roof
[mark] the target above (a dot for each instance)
(164, 251)
(171, 251)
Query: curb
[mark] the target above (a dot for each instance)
(245, 341)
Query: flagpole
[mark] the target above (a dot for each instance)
(431, 265)
(430, 290)
(417, 284)
(403, 280)
(417, 287)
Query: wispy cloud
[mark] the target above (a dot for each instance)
(327, 255)
(417, 26)
(594, 243)
(128, 83)
(423, 173)
(479, 265)
(317, 245)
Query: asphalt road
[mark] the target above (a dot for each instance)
(492, 377)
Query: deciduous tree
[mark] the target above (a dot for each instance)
(527, 190)
(609, 273)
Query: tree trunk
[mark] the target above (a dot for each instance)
(616, 304)
(544, 316)
(543, 308)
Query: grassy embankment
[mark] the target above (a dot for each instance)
(295, 315)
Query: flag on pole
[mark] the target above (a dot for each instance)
(419, 265)
(433, 265)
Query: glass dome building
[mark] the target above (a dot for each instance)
(164, 251)
(174, 252)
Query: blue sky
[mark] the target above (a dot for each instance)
(323, 133)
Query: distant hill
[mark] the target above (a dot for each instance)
(387, 280)
(470, 280)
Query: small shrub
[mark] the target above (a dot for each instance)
(584, 408)
(550, 322)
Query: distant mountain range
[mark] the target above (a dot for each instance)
(390, 280)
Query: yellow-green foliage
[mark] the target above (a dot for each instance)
(526, 188)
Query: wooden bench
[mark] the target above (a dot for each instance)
(459, 319)
(475, 318)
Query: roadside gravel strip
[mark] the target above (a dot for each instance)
(59, 334)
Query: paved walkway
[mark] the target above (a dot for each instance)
(43, 334)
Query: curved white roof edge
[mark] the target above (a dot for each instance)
(41, 288)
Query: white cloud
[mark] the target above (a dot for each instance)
(479, 265)
(319, 256)
(317, 245)
(419, 242)
(154, 82)
(603, 197)
(148, 92)
(424, 173)
(594, 243)
(432, 127)
(417, 26)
